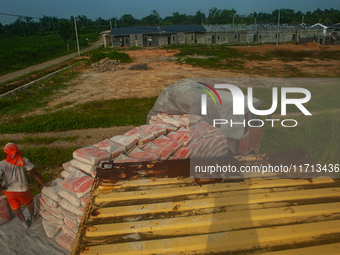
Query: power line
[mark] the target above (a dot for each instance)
(15, 15)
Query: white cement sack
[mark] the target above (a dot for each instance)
(37, 205)
(66, 166)
(79, 218)
(73, 199)
(122, 158)
(68, 214)
(168, 127)
(69, 231)
(64, 174)
(65, 240)
(164, 152)
(164, 141)
(73, 225)
(174, 122)
(144, 155)
(127, 141)
(71, 208)
(183, 138)
(51, 229)
(48, 216)
(86, 168)
(207, 127)
(182, 152)
(56, 212)
(52, 191)
(91, 155)
(114, 148)
(79, 186)
(157, 131)
(84, 200)
(143, 137)
(49, 201)
(164, 116)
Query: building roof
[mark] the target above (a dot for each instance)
(157, 29)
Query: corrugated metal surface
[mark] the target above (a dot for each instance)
(175, 215)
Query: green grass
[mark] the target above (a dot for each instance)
(37, 96)
(318, 135)
(223, 57)
(102, 113)
(18, 52)
(45, 161)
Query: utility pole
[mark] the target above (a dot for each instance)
(75, 26)
(115, 23)
(233, 19)
(302, 19)
(110, 24)
(278, 30)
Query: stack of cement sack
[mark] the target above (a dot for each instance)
(166, 137)
(62, 205)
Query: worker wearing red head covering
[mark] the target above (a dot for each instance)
(15, 186)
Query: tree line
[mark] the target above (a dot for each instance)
(27, 26)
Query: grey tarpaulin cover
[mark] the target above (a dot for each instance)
(184, 96)
(15, 239)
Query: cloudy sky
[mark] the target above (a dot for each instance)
(107, 9)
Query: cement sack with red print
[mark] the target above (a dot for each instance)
(51, 229)
(68, 167)
(48, 216)
(127, 141)
(81, 166)
(37, 205)
(91, 155)
(53, 189)
(65, 240)
(5, 210)
(69, 231)
(73, 199)
(79, 186)
(84, 200)
(71, 208)
(114, 148)
(73, 225)
(48, 201)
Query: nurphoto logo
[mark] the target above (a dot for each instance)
(239, 109)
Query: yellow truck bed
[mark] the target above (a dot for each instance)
(156, 208)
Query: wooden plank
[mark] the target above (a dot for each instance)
(224, 241)
(208, 188)
(221, 199)
(329, 249)
(218, 222)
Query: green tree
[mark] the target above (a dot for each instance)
(199, 17)
(127, 20)
(66, 30)
(179, 19)
(152, 20)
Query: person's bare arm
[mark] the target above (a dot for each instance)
(37, 177)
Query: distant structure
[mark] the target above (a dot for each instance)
(218, 34)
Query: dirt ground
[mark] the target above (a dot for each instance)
(162, 71)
